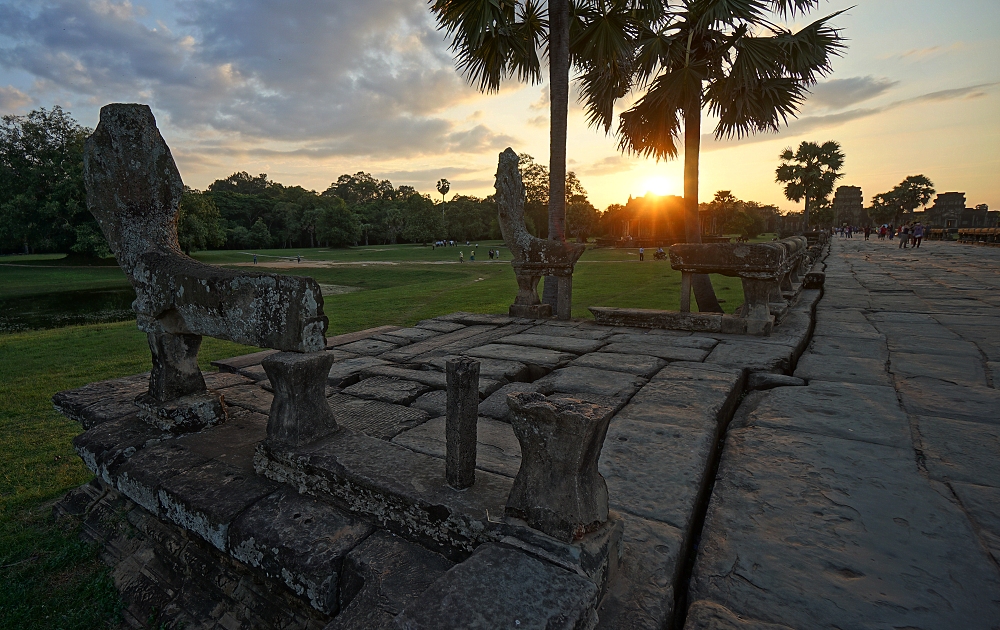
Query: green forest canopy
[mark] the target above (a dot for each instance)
(43, 203)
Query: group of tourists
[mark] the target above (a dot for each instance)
(908, 233)
(494, 255)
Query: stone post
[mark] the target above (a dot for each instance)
(300, 413)
(461, 423)
(564, 297)
(558, 489)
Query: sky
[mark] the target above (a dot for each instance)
(307, 90)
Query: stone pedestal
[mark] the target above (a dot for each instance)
(300, 413)
(558, 489)
(183, 414)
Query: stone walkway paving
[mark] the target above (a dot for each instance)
(871, 497)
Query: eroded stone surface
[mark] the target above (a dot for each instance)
(497, 449)
(387, 389)
(638, 365)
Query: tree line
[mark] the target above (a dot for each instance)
(43, 203)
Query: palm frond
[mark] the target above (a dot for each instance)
(748, 107)
(652, 125)
(808, 53)
(707, 14)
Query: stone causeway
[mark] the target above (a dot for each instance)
(841, 472)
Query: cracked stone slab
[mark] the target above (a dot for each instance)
(983, 505)
(501, 587)
(815, 531)
(819, 367)
(756, 357)
(411, 335)
(677, 341)
(430, 378)
(439, 326)
(369, 347)
(98, 402)
(497, 449)
(434, 403)
(849, 411)
(657, 471)
(381, 576)
(850, 347)
(550, 342)
(522, 354)
(569, 331)
(587, 380)
(299, 541)
(387, 389)
(494, 369)
(495, 405)
(250, 397)
(433, 344)
(923, 396)
(374, 418)
(693, 395)
(637, 365)
(140, 477)
(106, 446)
(961, 369)
(956, 450)
(666, 352)
(344, 373)
(235, 364)
(641, 597)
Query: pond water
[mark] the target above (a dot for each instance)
(52, 310)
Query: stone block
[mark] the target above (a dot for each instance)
(585, 380)
(235, 364)
(956, 450)
(637, 365)
(373, 417)
(105, 400)
(691, 395)
(818, 367)
(439, 326)
(430, 378)
(962, 369)
(659, 338)
(346, 338)
(763, 381)
(522, 354)
(753, 356)
(435, 344)
(348, 372)
(460, 424)
(251, 397)
(923, 396)
(706, 615)
(558, 489)
(492, 369)
(981, 503)
(558, 330)
(299, 541)
(369, 347)
(551, 342)
(205, 499)
(495, 405)
(814, 531)
(666, 352)
(387, 389)
(106, 446)
(865, 348)
(139, 478)
(501, 587)
(183, 414)
(850, 411)
(434, 403)
(641, 596)
(382, 576)
(497, 449)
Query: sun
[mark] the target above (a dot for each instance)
(659, 185)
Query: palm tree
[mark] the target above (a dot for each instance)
(726, 55)
(810, 173)
(443, 187)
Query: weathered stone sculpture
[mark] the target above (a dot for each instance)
(300, 413)
(461, 423)
(533, 257)
(134, 190)
(558, 489)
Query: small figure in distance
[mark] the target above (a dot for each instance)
(918, 234)
(642, 251)
(472, 257)
(461, 257)
(255, 259)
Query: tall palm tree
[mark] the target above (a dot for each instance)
(727, 55)
(810, 173)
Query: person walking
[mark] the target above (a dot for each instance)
(868, 231)
(891, 231)
(641, 252)
(461, 257)
(904, 236)
(255, 259)
(918, 234)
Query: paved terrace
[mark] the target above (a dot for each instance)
(867, 498)
(871, 497)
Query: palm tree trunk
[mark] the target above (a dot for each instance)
(558, 105)
(805, 215)
(704, 293)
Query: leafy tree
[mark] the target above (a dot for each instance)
(727, 55)
(443, 186)
(914, 191)
(423, 221)
(199, 224)
(42, 195)
(581, 218)
(336, 225)
(259, 237)
(810, 173)
(244, 184)
(883, 208)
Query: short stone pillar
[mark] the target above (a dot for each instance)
(300, 413)
(461, 424)
(558, 489)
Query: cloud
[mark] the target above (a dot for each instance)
(337, 77)
(919, 54)
(609, 165)
(12, 99)
(812, 123)
(840, 93)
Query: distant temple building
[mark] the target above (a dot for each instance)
(849, 207)
(949, 211)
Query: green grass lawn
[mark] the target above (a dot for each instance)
(47, 577)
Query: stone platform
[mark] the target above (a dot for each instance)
(298, 541)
